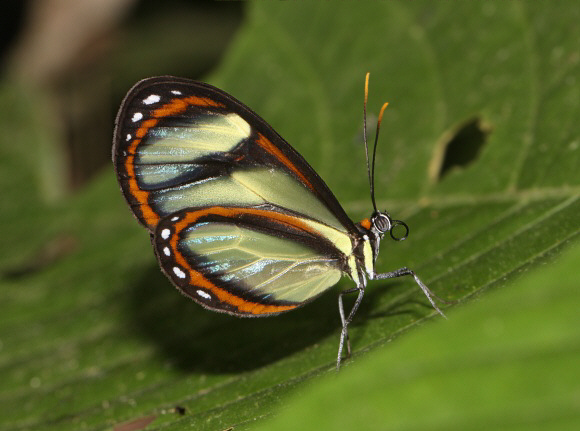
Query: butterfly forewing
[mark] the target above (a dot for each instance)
(181, 144)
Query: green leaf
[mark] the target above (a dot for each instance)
(510, 362)
(93, 335)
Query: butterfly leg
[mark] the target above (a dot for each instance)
(406, 271)
(346, 320)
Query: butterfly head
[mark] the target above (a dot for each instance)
(379, 224)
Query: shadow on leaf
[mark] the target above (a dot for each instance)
(196, 339)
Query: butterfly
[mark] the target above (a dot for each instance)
(239, 221)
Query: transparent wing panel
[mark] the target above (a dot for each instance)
(261, 263)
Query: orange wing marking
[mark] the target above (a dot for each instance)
(275, 151)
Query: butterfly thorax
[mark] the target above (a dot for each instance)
(370, 233)
(362, 260)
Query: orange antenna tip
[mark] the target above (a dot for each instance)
(367, 86)
(382, 111)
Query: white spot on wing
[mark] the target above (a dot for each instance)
(165, 233)
(136, 117)
(203, 294)
(152, 98)
(177, 93)
(128, 137)
(166, 251)
(178, 272)
(174, 218)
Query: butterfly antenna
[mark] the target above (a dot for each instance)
(371, 176)
(372, 173)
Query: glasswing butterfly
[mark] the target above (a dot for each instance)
(239, 221)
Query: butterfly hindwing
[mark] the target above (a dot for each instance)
(248, 261)
(180, 144)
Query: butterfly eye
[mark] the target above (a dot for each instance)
(382, 222)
